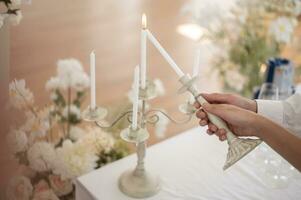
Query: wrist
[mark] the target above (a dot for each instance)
(253, 106)
(261, 126)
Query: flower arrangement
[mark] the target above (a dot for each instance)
(12, 12)
(51, 145)
(248, 35)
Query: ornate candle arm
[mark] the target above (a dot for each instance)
(115, 121)
(238, 147)
(176, 121)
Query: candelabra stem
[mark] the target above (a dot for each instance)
(139, 183)
(141, 146)
(141, 150)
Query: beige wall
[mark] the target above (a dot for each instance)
(4, 78)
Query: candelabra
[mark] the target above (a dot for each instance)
(138, 182)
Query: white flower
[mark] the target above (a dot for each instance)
(53, 83)
(42, 191)
(59, 186)
(17, 141)
(74, 111)
(70, 74)
(234, 79)
(53, 96)
(159, 87)
(16, 18)
(76, 133)
(19, 96)
(45, 195)
(282, 29)
(74, 159)
(41, 156)
(37, 125)
(16, 2)
(161, 125)
(2, 18)
(19, 188)
(98, 141)
(24, 170)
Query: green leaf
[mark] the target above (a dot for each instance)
(12, 11)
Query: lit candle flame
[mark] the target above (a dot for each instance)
(144, 22)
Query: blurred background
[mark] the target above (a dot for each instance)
(242, 44)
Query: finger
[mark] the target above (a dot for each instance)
(197, 105)
(212, 127)
(218, 97)
(224, 111)
(203, 122)
(201, 114)
(222, 138)
(209, 132)
(223, 131)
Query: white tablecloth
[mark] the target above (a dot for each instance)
(190, 166)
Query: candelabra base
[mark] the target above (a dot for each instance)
(238, 148)
(139, 185)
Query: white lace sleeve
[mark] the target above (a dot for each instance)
(285, 113)
(272, 110)
(292, 114)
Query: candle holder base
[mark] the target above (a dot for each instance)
(94, 115)
(134, 136)
(238, 148)
(187, 108)
(139, 185)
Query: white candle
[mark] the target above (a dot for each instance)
(136, 98)
(196, 64)
(164, 54)
(143, 52)
(195, 69)
(92, 81)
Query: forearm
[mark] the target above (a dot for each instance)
(281, 140)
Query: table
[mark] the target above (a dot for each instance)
(190, 166)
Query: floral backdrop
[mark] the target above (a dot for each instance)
(51, 145)
(11, 11)
(246, 36)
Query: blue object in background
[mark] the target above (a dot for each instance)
(280, 71)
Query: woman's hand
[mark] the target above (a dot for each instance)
(232, 99)
(238, 112)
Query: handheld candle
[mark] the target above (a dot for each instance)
(165, 54)
(238, 147)
(195, 69)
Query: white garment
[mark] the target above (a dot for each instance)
(285, 113)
